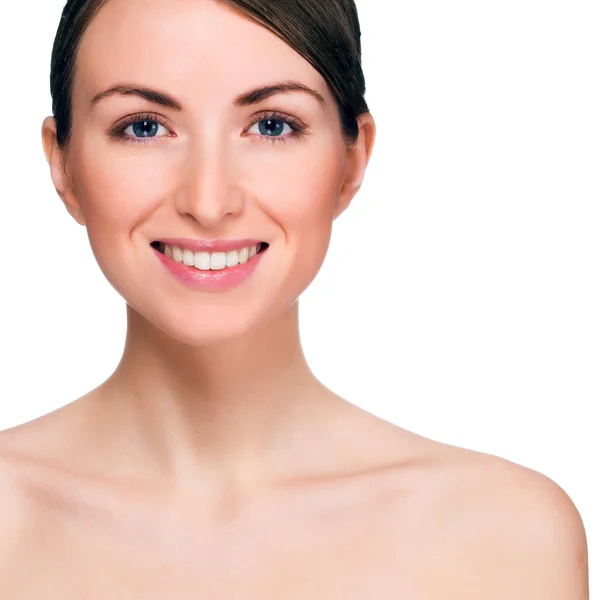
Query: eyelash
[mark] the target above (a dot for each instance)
(298, 128)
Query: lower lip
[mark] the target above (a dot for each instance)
(219, 280)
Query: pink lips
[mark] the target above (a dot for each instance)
(219, 280)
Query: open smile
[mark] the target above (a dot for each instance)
(210, 261)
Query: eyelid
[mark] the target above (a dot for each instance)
(117, 130)
(295, 123)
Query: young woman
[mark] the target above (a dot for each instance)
(207, 147)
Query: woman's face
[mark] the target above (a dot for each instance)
(206, 170)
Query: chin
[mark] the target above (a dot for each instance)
(206, 324)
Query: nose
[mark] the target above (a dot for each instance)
(208, 190)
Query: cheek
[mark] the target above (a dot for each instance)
(118, 193)
(298, 192)
(119, 189)
(298, 188)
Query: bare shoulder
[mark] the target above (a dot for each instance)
(29, 463)
(15, 513)
(516, 532)
(485, 526)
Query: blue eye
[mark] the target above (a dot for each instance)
(143, 129)
(272, 127)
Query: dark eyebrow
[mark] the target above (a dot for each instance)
(246, 99)
(262, 93)
(134, 90)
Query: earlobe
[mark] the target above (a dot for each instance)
(58, 170)
(358, 159)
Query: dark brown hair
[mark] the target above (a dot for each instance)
(325, 32)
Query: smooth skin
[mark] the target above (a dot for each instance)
(212, 463)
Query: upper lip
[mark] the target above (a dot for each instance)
(210, 245)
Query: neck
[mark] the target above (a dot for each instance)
(245, 409)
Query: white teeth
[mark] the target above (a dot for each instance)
(232, 258)
(177, 254)
(214, 261)
(218, 261)
(202, 261)
(243, 255)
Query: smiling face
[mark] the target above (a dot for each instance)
(205, 164)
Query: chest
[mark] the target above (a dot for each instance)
(276, 554)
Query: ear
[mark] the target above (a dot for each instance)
(358, 158)
(57, 159)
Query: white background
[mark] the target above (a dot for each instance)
(460, 297)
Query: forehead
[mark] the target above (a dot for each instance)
(198, 49)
